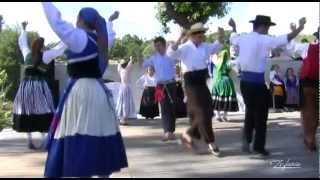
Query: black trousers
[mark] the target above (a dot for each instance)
(168, 108)
(199, 105)
(256, 98)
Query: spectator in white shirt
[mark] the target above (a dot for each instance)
(254, 49)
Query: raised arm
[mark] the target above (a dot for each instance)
(215, 47)
(296, 31)
(111, 32)
(140, 81)
(129, 66)
(173, 51)
(273, 42)
(111, 35)
(74, 38)
(23, 41)
(53, 53)
(234, 36)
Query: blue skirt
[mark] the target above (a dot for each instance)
(84, 138)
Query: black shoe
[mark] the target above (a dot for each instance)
(246, 147)
(262, 152)
(31, 146)
(311, 146)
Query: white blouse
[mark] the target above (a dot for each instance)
(125, 73)
(47, 55)
(273, 79)
(194, 58)
(147, 81)
(74, 38)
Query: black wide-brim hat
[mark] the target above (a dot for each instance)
(261, 19)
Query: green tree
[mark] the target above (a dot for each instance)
(1, 23)
(129, 45)
(148, 50)
(309, 38)
(187, 13)
(214, 36)
(11, 57)
(5, 105)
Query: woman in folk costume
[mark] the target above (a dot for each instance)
(33, 106)
(148, 106)
(125, 105)
(223, 91)
(84, 138)
(291, 83)
(277, 88)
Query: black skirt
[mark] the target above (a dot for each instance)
(181, 107)
(148, 107)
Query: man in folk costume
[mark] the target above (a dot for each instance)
(194, 55)
(254, 48)
(165, 92)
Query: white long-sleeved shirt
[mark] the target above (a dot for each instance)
(74, 38)
(47, 55)
(254, 50)
(295, 47)
(147, 81)
(194, 58)
(273, 78)
(125, 73)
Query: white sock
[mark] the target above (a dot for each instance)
(43, 136)
(29, 135)
(218, 116)
(225, 114)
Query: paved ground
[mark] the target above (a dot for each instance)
(149, 157)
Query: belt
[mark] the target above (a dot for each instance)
(166, 82)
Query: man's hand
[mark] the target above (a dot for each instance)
(302, 22)
(293, 26)
(232, 23)
(114, 16)
(24, 25)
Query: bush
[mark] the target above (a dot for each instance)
(5, 105)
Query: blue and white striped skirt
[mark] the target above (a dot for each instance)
(33, 106)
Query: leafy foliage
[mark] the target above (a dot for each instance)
(187, 13)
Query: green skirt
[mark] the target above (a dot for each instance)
(224, 95)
